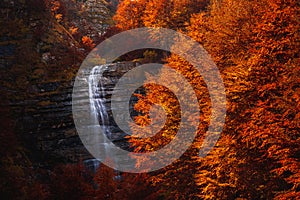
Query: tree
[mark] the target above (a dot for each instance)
(275, 74)
(129, 14)
(70, 181)
(172, 14)
(265, 142)
(254, 44)
(115, 185)
(176, 180)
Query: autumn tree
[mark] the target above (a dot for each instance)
(176, 180)
(254, 44)
(274, 68)
(70, 181)
(172, 14)
(225, 31)
(253, 116)
(111, 184)
(129, 14)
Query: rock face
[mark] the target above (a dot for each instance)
(47, 125)
(38, 60)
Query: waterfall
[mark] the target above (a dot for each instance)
(97, 100)
(100, 133)
(97, 97)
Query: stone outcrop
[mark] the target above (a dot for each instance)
(46, 121)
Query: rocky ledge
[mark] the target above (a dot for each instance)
(46, 121)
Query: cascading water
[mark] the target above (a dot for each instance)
(97, 99)
(103, 135)
(100, 91)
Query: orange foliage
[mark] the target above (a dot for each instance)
(177, 179)
(73, 30)
(88, 42)
(129, 13)
(255, 61)
(58, 17)
(256, 47)
(172, 14)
